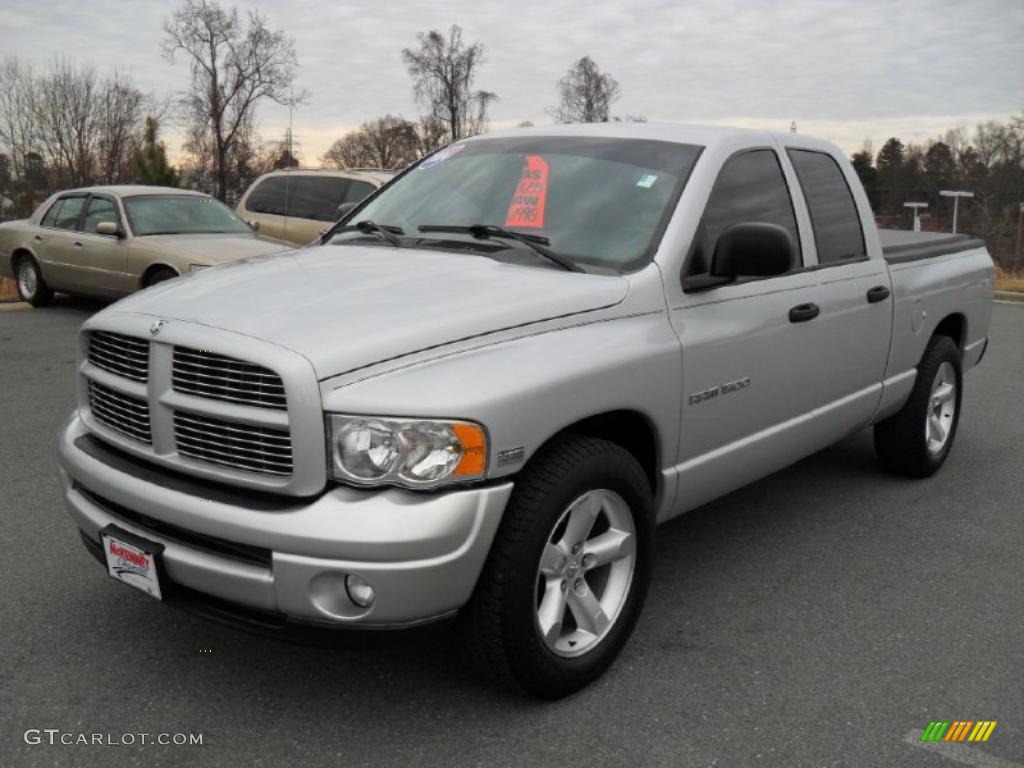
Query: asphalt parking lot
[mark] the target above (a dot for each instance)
(821, 617)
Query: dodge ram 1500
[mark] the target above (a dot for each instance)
(481, 391)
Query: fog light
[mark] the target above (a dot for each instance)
(359, 591)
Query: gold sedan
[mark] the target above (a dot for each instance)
(111, 241)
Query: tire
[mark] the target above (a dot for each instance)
(501, 626)
(159, 275)
(31, 285)
(916, 441)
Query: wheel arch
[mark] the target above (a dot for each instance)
(631, 429)
(954, 326)
(154, 267)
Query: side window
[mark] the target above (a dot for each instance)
(100, 209)
(316, 197)
(268, 197)
(357, 190)
(67, 217)
(749, 188)
(837, 231)
(50, 219)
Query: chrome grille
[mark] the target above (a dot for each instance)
(233, 444)
(123, 413)
(123, 355)
(218, 377)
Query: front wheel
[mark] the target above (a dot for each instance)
(568, 571)
(917, 439)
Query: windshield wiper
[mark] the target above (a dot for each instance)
(386, 231)
(483, 231)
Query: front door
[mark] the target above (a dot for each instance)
(100, 260)
(749, 348)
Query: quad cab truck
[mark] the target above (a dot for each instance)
(482, 390)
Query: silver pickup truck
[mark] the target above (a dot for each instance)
(481, 391)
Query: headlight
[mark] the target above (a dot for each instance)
(416, 453)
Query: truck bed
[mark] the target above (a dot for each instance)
(900, 245)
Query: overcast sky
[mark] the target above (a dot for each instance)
(847, 70)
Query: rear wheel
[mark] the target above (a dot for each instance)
(917, 440)
(31, 285)
(568, 571)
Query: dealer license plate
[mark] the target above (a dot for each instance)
(133, 560)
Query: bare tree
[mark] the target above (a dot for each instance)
(443, 69)
(386, 142)
(234, 67)
(66, 120)
(121, 126)
(585, 94)
(17, 108)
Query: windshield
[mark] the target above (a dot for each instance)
(597, 200)
(181, 215)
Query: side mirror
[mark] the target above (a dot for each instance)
(254, 224)
(343, 210)
(109, 228)
(752, 249)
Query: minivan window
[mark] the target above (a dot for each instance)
(316, 197)
(67, 216)
(834, 217)
(601, 201)
(357, 190)
(269, 196)
(749, 188)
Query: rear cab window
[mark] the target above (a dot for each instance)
(835, 219)
(749, 188)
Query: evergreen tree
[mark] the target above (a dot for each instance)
(150, 160)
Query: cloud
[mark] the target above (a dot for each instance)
(845, 69)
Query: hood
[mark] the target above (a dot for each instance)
(216, 248)
(346, 307)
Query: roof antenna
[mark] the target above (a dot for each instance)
(792, 127)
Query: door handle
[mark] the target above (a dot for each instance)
(79, 244)
(877, 294)
(801, 313)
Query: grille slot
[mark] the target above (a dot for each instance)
(232, 444)
(218, 377)
(122, 413)
(118, 354)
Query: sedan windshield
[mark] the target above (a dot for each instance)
(181, 215)
(592, 200)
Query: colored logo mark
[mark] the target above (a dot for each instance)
(959, 730)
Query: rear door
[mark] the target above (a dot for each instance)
(56, 242)
(856, 309)
(748, 366)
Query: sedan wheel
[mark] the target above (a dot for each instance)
(31, 285)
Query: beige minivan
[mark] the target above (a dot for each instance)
(298, 204)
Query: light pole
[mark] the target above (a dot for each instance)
(917, 217)
(956, 195)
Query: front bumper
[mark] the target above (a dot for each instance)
(286, 556)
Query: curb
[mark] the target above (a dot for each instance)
(14, 306)
(1014, 296)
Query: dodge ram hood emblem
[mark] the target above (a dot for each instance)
(155, 327)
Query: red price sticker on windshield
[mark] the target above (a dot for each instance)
(527, 206)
